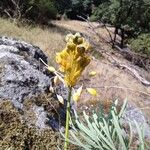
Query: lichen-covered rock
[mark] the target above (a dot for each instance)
(132, 114)
(21, 75)
(30, 115)
(25, 82)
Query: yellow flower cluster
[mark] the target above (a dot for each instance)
(74, 58)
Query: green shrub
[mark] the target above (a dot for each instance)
(42, 10)
(141, 44)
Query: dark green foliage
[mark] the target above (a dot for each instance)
(37, 10)
(79, 8)
(42, 10)
(141, 44)
(135, 14)
(128, 16)
(63, 5)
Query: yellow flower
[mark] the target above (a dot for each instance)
(73, 59)
(92, 91)
(69, 37)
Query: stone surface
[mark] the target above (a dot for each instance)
(22, 75)
(132, 114)
(25, 81)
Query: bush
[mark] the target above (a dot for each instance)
(141, 44)
(42, 10)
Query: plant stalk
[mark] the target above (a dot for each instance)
(67, 119)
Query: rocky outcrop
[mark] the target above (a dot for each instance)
(23, 76)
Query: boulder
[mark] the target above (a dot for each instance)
(21, 74)
(24, 78)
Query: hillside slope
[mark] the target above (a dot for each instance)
(110, 81)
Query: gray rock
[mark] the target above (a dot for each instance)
(41, 117)
(133, 114)
(24, 77)
(21, 73)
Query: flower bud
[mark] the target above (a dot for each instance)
(80, 40)
(70, 46)
(78, 35)
(80, 49)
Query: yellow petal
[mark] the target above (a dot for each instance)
(76, 97)
(92, 73)
(77, 94)
(92, 91)
(51, 69)
(71, 46)
(60, 98)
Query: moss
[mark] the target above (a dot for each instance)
(15, 134)
(47, 101)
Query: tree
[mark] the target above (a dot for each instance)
(14, 9)
(42, 10)
(128, 16)
(36, 10)
(63, 5)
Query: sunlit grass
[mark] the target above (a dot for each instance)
(49, 39)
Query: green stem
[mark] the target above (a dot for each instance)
(67, 119)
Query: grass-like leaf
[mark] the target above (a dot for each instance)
(104, 132)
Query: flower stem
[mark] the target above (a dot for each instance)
(67, 119)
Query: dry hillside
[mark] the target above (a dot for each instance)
(111, 82)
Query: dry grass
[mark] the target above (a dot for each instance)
(111, 83)
(48, 39)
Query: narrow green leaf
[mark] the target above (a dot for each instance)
(122, 108)
(86, 130)
(130, 136)
(141, 138)
(102, 137)
(118, 130)
(78, 141)
(89, 141)
(89, 123)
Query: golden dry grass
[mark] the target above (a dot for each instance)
(48, 39)
(111, 82)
